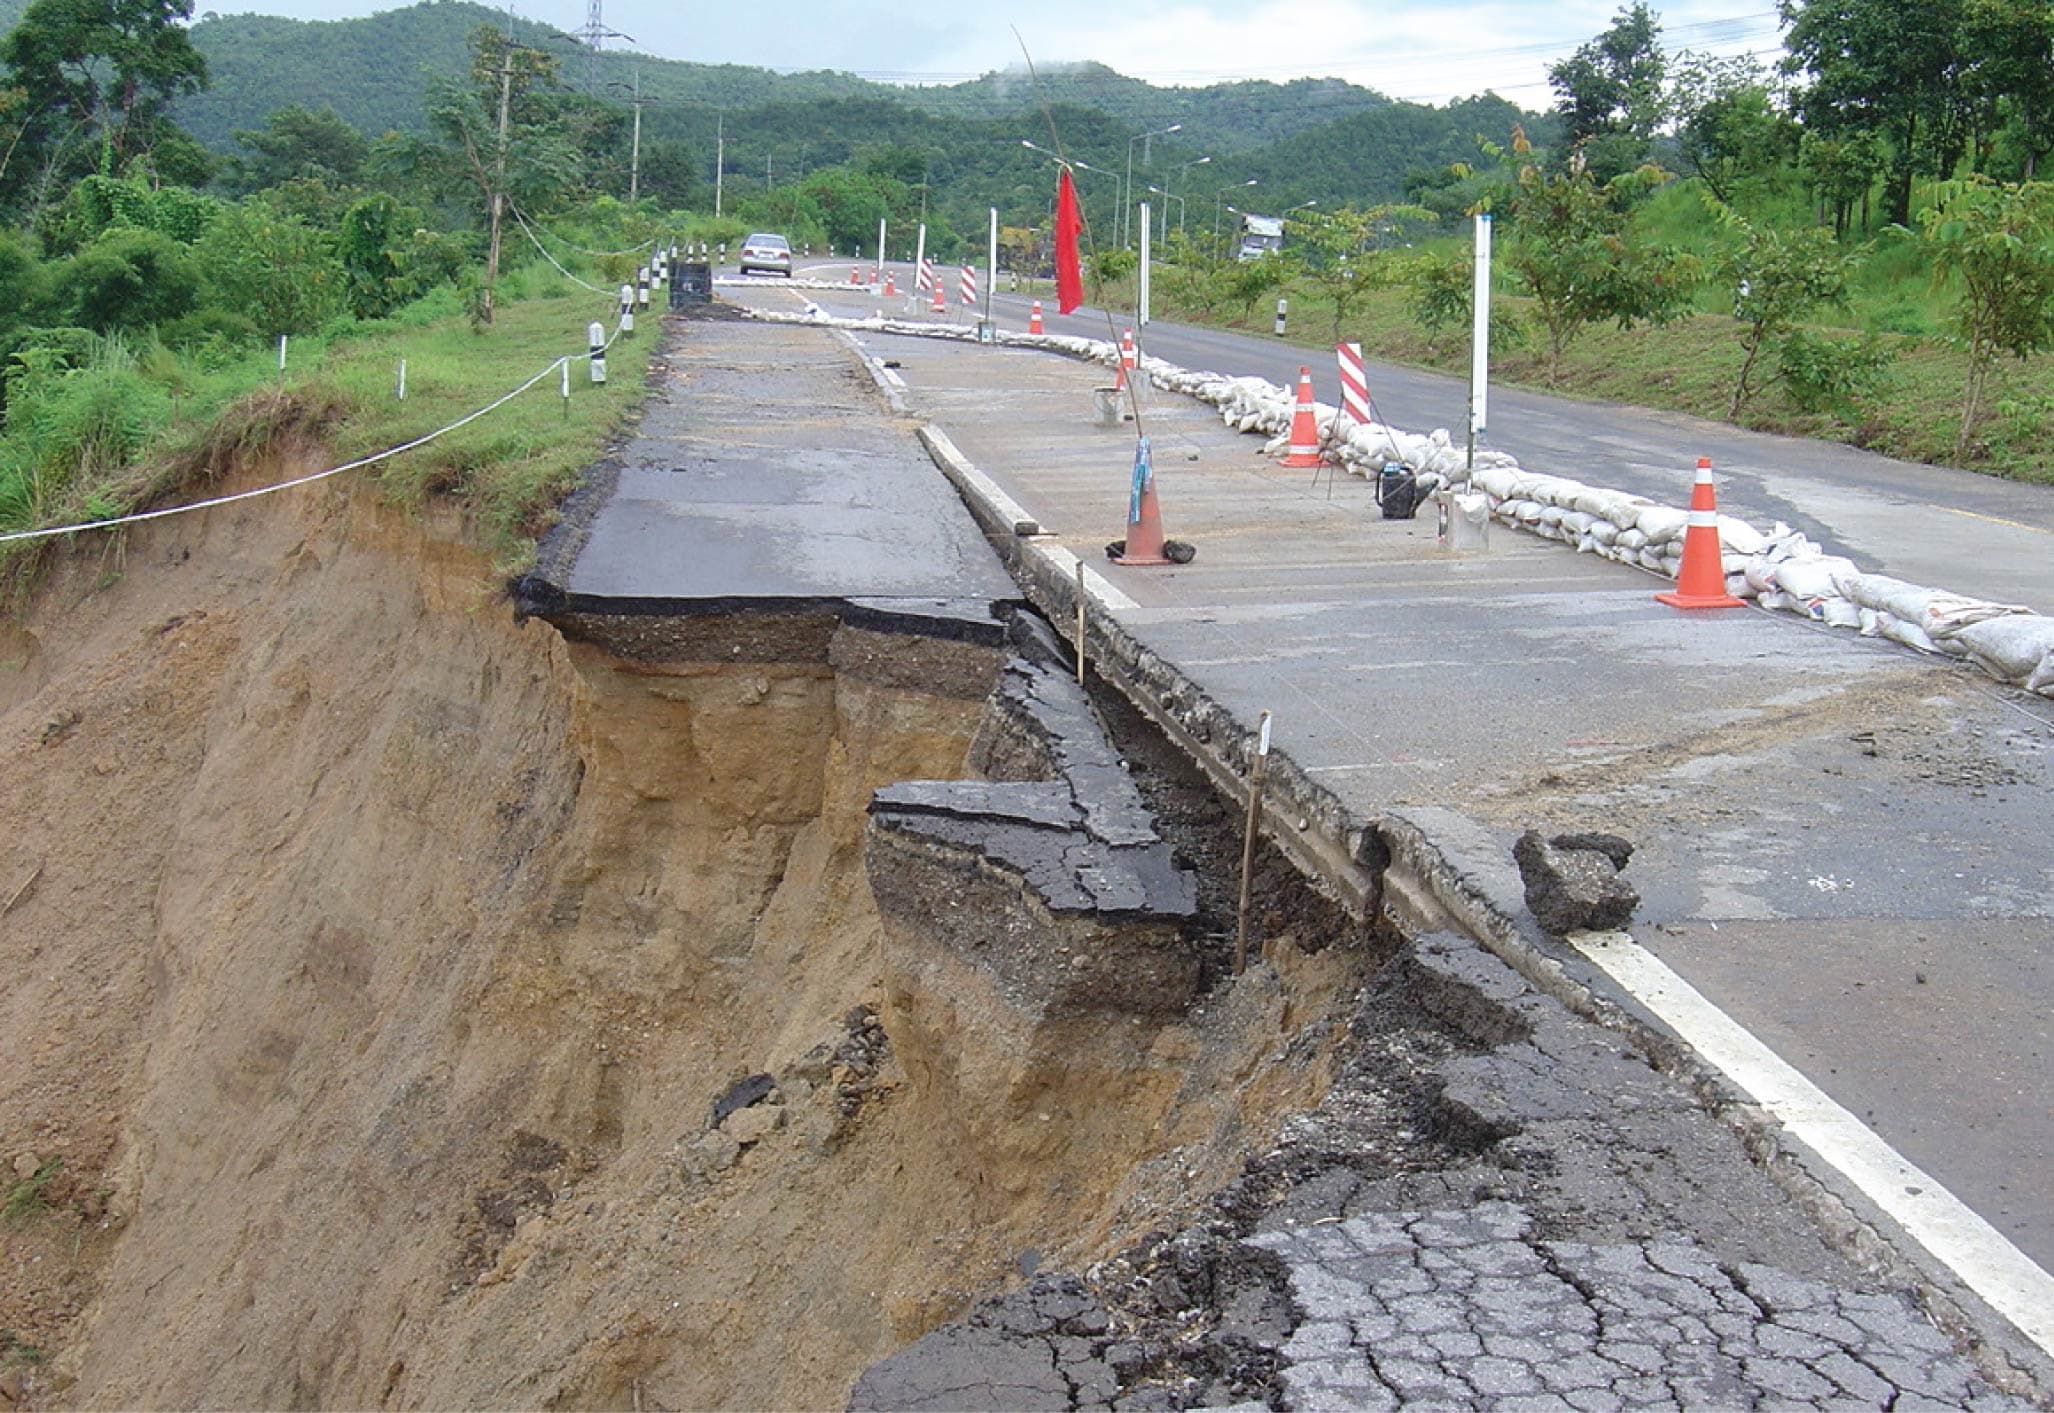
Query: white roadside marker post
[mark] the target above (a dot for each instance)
(1480, 340)
(1255, 775)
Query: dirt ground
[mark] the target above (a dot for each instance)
(370, 963)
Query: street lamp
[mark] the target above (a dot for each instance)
(1127, 187)
(1170, 196)
(1071, 162)
(1301, 206)
(1171, 179)
(1219, 200)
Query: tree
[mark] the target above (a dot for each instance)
(297, 142)
(129, 279)
(1999, 239)
(1343, 253)
(1573, 252)
(272, 268)
(94, 74)
(1889, 68)
(500, 135)
(1610, 90)
(1778, 277)
(1839, 172)
(1730, 128)
(2010, 49)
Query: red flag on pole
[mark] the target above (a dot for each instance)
(1069, 277)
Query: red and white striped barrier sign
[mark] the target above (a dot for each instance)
(925, 279)
(1354, 385)
(969, 284)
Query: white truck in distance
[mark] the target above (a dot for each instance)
(1260, 236)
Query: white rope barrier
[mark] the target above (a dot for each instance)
(309, 479)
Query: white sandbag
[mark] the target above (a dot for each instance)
(1837, 613)
(1739, 537)
(1898, 630)
(1631, 539)
(1816, 578)
(1604, 532)
(1495, 481)
(1738, 587)
(1884, 594)
(2012, 648)
(1662, 522)
(1948, 614)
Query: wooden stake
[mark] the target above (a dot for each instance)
(1255, 774)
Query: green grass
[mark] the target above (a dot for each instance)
(25, 1198)
(128, 428)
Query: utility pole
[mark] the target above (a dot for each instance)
(635, 147)
(719, 161)
(498, 179)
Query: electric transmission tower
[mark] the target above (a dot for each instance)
(594, 34)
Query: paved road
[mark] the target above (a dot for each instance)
(709, 503)
(1842, 844)
(1932, 525)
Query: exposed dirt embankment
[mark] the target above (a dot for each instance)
(371, 965)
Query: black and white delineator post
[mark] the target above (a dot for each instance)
(1283, 307)
(595, 336)
(627, 309)
(642, 288)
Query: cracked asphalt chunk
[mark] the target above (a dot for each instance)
(1580, 1325)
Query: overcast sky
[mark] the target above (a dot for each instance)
(1410, 49)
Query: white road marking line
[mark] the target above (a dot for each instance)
(2013, 1284)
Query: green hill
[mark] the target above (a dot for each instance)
(373, 72)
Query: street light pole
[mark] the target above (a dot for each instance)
(1218, 199)
(1127, 187)
(1171, 180)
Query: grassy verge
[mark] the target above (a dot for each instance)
(124, 429)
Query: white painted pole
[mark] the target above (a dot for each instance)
(919, 256)
(281, 353)
(402, 394)
(880, 247)
(1141, 298)
(1480, 337)
(991, 269)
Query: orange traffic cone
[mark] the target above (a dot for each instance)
(1144, 517)
(1304, 426)
(889, 289)
(941, 304)
(1702, 584)
(855, 274)
(1034, 319)
(1127, 360)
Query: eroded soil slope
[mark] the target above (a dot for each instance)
(369, 966)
